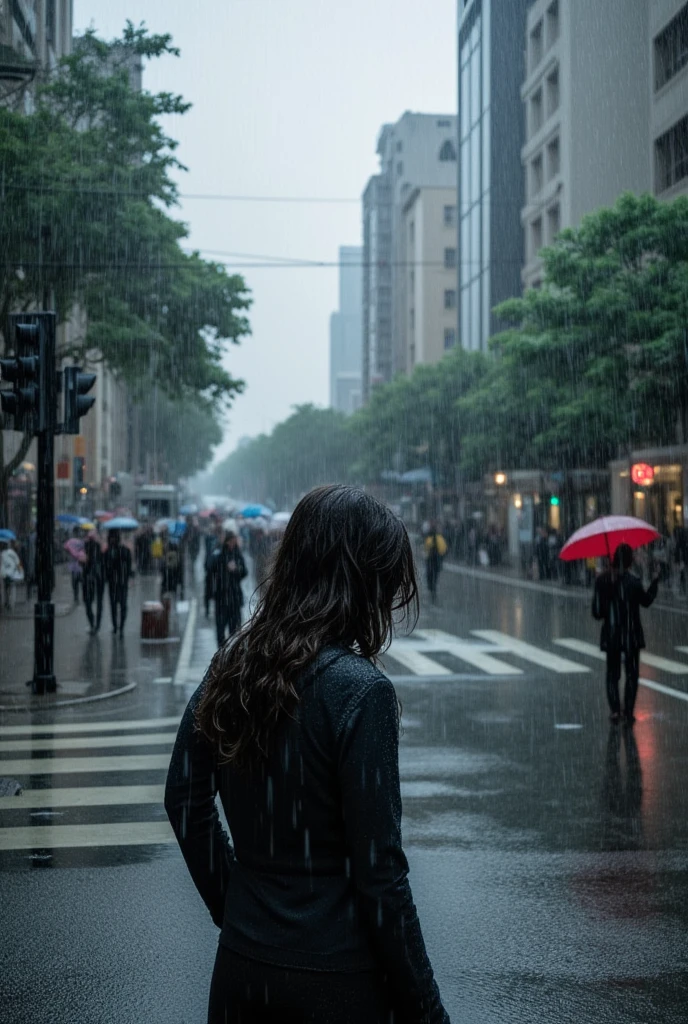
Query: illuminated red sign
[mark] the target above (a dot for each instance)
(642, 474)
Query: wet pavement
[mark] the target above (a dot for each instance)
(548, 849)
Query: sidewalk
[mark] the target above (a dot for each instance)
(88, 668)
(667, 599)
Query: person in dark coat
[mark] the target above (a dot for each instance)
(118, 572)
(93, 581)
(172, 571)
(228, 570)
(298, 732)
(618, 598)
(212, 543)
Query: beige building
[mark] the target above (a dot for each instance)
(428, 325)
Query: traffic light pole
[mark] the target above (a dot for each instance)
(44, 680)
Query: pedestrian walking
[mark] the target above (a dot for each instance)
(93, 581)
(617, 600)
(435, 550)
(228, 570)
(212, 542)
(75, 562)
(118, 572)
(12, 573)
(298, 731)
(172, 568)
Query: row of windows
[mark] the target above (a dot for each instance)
(544, 166)
(543, 36)
(671, 49)
(544, 102)
(671, 156)
(543, 230)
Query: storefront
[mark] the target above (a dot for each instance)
(651, 484)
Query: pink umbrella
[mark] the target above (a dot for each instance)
(75, 548)
(602, 537)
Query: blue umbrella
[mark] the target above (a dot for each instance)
(7, 535)
(121, 523)
(174, 527)
(188, 510)
(254, 511)
(67, 519)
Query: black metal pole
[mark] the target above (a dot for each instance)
(44, 680)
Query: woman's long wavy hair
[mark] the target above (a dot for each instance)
(342, 575)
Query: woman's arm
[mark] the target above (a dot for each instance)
(369, 779)
(190, 804)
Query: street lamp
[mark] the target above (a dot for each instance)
(500, 479)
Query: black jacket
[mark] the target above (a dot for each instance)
(94, 567)
(117, 565)
(316, 877)
(226, 582)
(617, 602)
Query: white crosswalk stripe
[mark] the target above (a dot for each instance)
(531, 653)
(676, 668)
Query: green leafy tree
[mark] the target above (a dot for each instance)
(85, 190)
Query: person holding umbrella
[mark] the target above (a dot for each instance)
(117, 566)
(617, 600)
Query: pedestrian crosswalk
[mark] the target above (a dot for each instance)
(100, 784)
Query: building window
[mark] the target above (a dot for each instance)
(449, 259)
(536, 117)
(671, 156)
(449, 337)
(50, 30)
(400, 146)
(400, 169)
(448, 152)
(450, 216)
(536, 175)
(412, 232)
(444, 123)
(671, 49)
(536, 46)
(552, 23)
(535, 237)
(553, 158)
(449, 298)
(553, 92)
(412, 318)
(553, 222)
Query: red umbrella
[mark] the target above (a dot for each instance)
(603, 536)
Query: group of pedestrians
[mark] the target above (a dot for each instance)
(112, 566)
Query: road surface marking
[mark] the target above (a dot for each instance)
(163, 679)
(53, 837)
(531, 653)
(479, 655)
(67, 765)
(683, 650)
(84, 727)
(669, 690)
(180, 676)
(87, 742)
(86, 796)
(676, 668)
(416, 662)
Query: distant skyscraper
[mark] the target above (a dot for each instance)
(419, 151)
(346, 328)
(491, 135)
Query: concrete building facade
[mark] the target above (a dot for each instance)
(586, 111)
(490, 177)
(669, 97)
(419, 151)
(428, 327)
(34, 35)
(346, 333)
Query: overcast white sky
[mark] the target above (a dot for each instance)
(288, 98)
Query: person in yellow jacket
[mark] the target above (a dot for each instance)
(435, 550)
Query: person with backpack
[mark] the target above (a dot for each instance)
(297, 731)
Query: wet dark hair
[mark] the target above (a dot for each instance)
(341, 573)
(623, 557)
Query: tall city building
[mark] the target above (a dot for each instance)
(346, 333)
(419, 151)
(669, 97)
(586, 107)
(491, 134)
(34, 35)
(428, 326)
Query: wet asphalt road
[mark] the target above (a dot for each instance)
(548, 850)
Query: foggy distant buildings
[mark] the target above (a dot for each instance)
(490, 181)
(601, 119)
(346, 329)
(417, 153)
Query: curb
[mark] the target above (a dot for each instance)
(44, 705)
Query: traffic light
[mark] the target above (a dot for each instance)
(76, 405)
(554, 500)
(23, 372)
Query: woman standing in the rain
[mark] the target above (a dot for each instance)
(298, 732)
